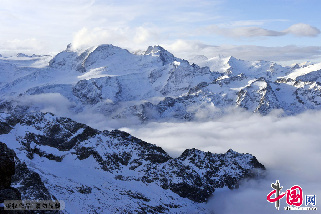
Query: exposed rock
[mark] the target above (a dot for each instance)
(7, 166)
(7, 170)
(17, 182)
(30, 184)
(5, 128)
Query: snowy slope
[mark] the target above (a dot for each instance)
(114, 172)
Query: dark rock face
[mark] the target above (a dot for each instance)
(196, 174)
(57, 132)
(9, 194)
(14, 172)
(7, 166)
(5, 128)
(29, 183)
(7, 170)
(87, 92)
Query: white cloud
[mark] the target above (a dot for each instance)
(125, 37)
(287, 54)
(62, 107)
(29, 46)
(49, 102)
(55, 23)
(288, 147)
(96, 36)
(143, 35)
(241, 23)
(243, 31)
(303, 30)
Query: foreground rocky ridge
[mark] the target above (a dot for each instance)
(7, 170)
(18, 182)
(113, 170)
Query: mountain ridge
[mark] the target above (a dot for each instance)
(58, 156)
(118, 84)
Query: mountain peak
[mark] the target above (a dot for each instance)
(160, 52)
(231, 151)
(198, 58)
(106, 50)
(232, 59)
(22, 55)
(69, 47)
(105, 46)
(154, 50)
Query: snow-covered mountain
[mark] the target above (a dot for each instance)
(112, 171)
(98, 170)
(155, 85)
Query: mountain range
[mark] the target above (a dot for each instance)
(111, 171)
(155, 85)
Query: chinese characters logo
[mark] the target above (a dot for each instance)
(294, 197)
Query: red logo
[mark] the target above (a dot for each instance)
(294, 195)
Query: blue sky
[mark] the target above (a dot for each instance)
(277, 30)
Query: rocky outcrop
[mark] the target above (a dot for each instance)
(7, 170)
(18, 182)
(29, 183)
(196, 174)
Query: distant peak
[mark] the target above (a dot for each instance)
(72, 48)
(230, 151)
(160, 52)
(154, 50)
(295, 66)
(29, 56)
(232, 59)
(199, 58)
(108, 48)
(138, 52)
(69, 47)
(301, 65)
(22, 55)
(190, 152)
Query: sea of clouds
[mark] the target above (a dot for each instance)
(289, 147)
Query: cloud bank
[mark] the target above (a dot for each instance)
(49, 102)
(285, 54)
(300, 29)
(62, 107)
(289, 147)
(132, 38)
